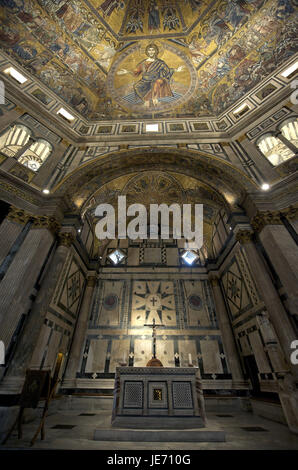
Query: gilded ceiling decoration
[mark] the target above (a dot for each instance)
(156, 187)
(152, 77)
(93, 53)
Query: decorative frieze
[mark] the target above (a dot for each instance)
(17, 192)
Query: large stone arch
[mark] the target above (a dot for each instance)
(219, 175)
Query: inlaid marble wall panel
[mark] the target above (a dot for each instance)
(109, 303)
(172, 257)
(187, 347)
(165, 351)
(119, 353)
(96, 356)
(259, 353)
(244, 303)
(153, 300)
(197, 304)
(211, 356)
(142, 352)
(72, 288)
(123, 310)
(133, 256)
(56, 333)
(238, 285)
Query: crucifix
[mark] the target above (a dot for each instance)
(153, 303)
(153, 326)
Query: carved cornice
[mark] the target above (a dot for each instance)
(244, 236)
(12, 189)
(261, 219)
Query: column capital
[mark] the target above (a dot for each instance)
(291, 212)
(39, 221)
(214, 280)
(19, 215)
(261, 219)
(244, 236)
(66, 239)
(91, 281)
(47, 222)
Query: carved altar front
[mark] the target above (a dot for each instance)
(158, 397)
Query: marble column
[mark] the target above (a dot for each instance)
(14, 378)
(228, 339)
(288, 379)
(277, 314)
(21, 267)
(271, 343)
(80, 330)
(282, 251)
(10, 229)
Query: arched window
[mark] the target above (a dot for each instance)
(14, 139)
(289, 129)
(36, 154)
(274, 149)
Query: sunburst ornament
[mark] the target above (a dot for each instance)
(153, 301)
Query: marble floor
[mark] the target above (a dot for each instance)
(75, 430)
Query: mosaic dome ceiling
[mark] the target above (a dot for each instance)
(116, 59)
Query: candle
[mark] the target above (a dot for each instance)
(189, 359)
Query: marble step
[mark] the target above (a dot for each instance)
(157, 435)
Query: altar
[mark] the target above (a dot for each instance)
(158, 404)
(158, 397)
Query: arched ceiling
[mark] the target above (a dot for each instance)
(202, 178)
(211, 52)
(157, 187)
